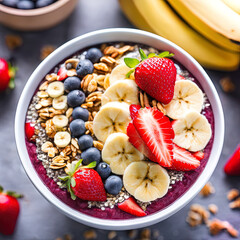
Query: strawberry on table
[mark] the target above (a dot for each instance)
(9, 211)
(155, 74)
(130, 206)
(85, 183)
(232, 167)
(7, 74)
(183, 160)
(156, 131)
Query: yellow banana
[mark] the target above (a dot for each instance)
(166, 23)
(202, 28)
(217, 15)
(233, 4)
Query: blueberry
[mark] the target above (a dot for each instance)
(10, 3)
(72, 83)
(75, 98)
(90, 155)
(84, 67)
(43, 3)
(103, 170)
(113, 184)
(25, 4)
(94, 55)
(85, 142)
(77, 127)
(80, 113)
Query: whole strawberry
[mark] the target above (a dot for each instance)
(9, 211)
(85, 183)
(7, 74)
(155, 74)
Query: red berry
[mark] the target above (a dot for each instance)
(232, 167)
(4, 75)
(134, 110)
(29, 130)
(183, 160)
(89, 185)
(156, 131)
(9, 211)
(62, 74)
(130, 206)
(157, 76)
(198, 155)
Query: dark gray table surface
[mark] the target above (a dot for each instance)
(38, 218)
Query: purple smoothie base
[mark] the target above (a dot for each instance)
(178, 189)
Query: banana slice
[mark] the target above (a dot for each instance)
(112, 117)
(62, 139)
(187, 96)
(146, 181)
(192, 132)
(118, 152)
(55, 89)
(60, 121)
(121, 91)
(119, 73)
(60, 102)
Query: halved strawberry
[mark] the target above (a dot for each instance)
(130, 206)
(156, 131)
(183, 160)
(138, 143)
(198, 155)
(62, 73)
(134, 110)
(232, 166)
(29, 130)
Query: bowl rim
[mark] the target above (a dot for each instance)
(33, 12)
(127, 224)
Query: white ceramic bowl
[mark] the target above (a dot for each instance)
(111, 35)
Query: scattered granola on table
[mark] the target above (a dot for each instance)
(207, 190)
(13, 41)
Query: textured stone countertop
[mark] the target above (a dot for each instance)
(39, 220)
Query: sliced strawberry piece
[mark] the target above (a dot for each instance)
(198, 155)
(134, 110)
(183, 160)
(130, 206)
(29, 130)
(62, 73)
(138, 143)
(156, 131)
(232, 166)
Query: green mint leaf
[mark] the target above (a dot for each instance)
(73, 182)
(131, 62)
(165, 54)
(142, 54)
(150, 55)
(129, 73)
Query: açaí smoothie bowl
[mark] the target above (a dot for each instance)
(119, 130)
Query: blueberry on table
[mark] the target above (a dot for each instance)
(25, 4)
(103, 170)
(113, 184)
(90, 155)
(72, 83)
(84, 67)
(77, 127)
(80, 113)
(10, 3)
(75, 98)
(43, 3)
(94, 55)
(85, 142)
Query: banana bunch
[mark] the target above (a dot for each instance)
(208, 30)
